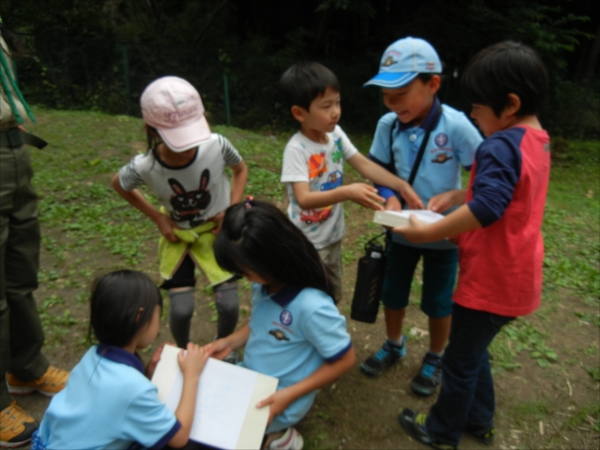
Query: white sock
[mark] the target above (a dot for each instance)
(398, 343)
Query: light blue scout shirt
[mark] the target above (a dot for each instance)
(452, 144)
(107, 403)
(292, 333)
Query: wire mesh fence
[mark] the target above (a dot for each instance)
(88, 74)
(237, 88)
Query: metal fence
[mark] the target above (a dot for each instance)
(240, 90)
(237, 88)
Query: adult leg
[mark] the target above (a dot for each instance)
(466, 374)
(27, 362)
(4, 318)
(21, 334)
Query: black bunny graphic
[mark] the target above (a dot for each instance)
(190, 205)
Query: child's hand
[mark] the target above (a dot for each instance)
(411, 197)
(192, 362)
(393, 204)
(364, 195)
(151, 366)
(279, 401)
(219, 220)
(441, 202)
(218, 349)
(414, 231)
(166, 225)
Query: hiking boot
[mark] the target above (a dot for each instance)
(483, 435)
(430, 375)
(413, 423)
(16, 426)
(387, 355)
(232, 358)
(49, 384)
(291, 440)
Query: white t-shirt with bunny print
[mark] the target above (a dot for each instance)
(191, 193)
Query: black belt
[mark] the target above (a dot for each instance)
(15, 138)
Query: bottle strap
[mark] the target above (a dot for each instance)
(419, 158)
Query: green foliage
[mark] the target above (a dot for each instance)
(99, 55)
(521, 335)
(88, 228)
(531, 410)
(589, 415)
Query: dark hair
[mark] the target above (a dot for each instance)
(257, 236)
(305, 81)
(152, 137)
(506, 68)
(115, 306)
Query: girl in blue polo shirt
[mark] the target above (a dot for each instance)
(296, 332)
(108, 401)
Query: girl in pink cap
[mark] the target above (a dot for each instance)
(184, 168)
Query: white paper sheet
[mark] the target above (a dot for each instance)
(226, 415)
(221, 403)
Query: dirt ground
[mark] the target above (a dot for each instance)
(550, 407)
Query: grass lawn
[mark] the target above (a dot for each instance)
(547, 369)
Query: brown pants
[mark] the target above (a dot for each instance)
(332, 256)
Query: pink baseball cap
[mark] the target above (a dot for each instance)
(173, 106)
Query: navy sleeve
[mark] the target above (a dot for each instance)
(167, 437)
(498, 169)
(384, 191)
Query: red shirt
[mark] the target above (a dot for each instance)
(501, 263)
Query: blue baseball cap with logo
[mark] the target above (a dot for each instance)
(403, 61)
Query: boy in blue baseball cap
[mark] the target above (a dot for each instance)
(425, 143)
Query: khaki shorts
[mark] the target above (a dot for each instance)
(332, 256)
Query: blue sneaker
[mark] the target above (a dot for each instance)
(387, 355)
(429, 377)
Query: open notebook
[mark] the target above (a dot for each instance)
(226, 415)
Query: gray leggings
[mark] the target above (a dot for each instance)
(182, 310)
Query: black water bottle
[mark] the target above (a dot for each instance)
(369, 281)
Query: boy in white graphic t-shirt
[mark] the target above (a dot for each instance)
(313, 163)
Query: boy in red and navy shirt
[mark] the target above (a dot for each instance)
(499, 237)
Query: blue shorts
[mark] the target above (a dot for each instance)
(439, 275)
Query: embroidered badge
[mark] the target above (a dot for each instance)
(441, 158)
(285, 317)
(389, 61)
(441, 140)
(279, 335)
(430, 66)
